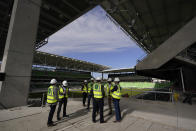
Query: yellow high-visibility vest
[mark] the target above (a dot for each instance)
(90, 86)
(50, 96)
(117, 94)
(84, 89)
(97, 90)
(109, 87)
(60, 93)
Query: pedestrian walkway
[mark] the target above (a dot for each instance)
(138, 115)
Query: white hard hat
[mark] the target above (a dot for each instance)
(98, 78)
(92, 79)
(64, 83)
(53, 81)
(85, 80)
(116, 79)
(109, 79)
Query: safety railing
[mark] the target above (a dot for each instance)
(136, 93)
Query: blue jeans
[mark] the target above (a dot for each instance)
(117, 109)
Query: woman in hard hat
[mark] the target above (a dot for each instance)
(116, 95)
(63, 95)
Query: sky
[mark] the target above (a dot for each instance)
(95, 38)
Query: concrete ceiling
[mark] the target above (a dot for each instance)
(148, 22)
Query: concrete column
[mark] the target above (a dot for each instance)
(18, 53)
(169, 49)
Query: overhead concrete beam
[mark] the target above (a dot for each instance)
(18, 53)
(186, 60)
(182, 39)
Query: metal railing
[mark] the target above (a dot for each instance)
(131, 92)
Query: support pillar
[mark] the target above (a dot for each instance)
(18, 53)
(169, 49)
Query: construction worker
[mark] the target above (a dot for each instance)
(116, 95)
(98, 100)
(63, 95)
(90, 87)
(109, 87)
(52, 98)
(84, 92)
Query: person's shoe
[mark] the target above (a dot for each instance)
(65, 115)
(58, 119)
(94, 121)
(103, 122)
(116, 121)
(51, 124)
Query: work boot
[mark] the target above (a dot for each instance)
(116, 121)
(65, 115)
(103, 122)
(51, 124)
(110, 113)
(58, 118)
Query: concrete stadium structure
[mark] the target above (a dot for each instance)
(165, 29)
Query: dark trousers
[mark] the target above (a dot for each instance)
(51, 113)
(188, 99)
(110, 103)
(97, 106)
(84, 98)
(117, 109)
(64, 103)
(89, 100)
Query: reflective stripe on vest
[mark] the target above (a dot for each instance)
(117, 94)
(50, 96)
(84, 89)
(60, 93)
(97, 90)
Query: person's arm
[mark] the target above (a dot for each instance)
(68, 89)
(102, 90)
(91, 92)
(82, 88)
(114, 89)
(56, 89)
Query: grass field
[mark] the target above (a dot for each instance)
(144, 85)
(130, 88)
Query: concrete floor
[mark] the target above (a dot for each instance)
(138, 115)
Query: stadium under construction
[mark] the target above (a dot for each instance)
(164, 29)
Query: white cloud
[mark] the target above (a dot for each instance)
(92, 32)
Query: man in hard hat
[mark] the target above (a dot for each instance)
(90, 87)
(98, 100)
(109, 87)
(116, 95)
(52, 98)
(63, 95)
(84, 92)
